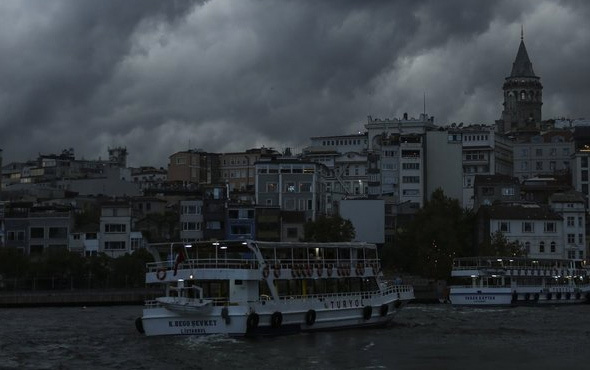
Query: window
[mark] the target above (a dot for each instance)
(507, 191)
(187, 226)
(539, 152)
(292, 232)
(114, 245)
(528, 227)
(570, 221)
(290, 187)
(271, 187)
(552, 165)
(525, 152)
(524, 166)
(550, 227)
(189, 210)
(58, 232)
(571, 238)
(487, 190)
(580, 222)
(504, 226)
(541, 247)
(115, 228)
(584, 175)
(180, 160)
(213, 225)
(410, 179)
(290, 204)
(552, 247)
(37, 232)
(411, 166)
(571, 254)
(527, 247)
(553, 152)
(581, 255)
(566, 151)
(304, 187)
(580, 238)
(539, 166)
(241, 229)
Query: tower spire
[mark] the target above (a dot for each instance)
(521, 32)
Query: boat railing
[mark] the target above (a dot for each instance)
(364, 294)
(252, 264)
(201, 263)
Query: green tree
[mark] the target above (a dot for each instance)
(439, 232)
(498, 245)
(329, 229)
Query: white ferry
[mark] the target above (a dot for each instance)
(254, 288)
(501, 281)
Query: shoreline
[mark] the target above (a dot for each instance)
(82, 297)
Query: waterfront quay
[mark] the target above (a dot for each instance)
(78, 297)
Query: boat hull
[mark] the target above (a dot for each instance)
(517, 296)
(295, 317)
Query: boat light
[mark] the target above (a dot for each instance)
(180, 280)
(188, 245)
(216, 243)
(473, 276)
(494, 275)
(190, 276)
(244, 243)
(499, 260)
(223, 247)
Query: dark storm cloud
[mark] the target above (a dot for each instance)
(160, 76)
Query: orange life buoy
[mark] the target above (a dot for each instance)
(277, 270)
(319, 270)
(294, 271)
(161, 274)
(265, 271)
(329, 269)
(308, 270)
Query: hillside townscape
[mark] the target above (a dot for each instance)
(423, 191)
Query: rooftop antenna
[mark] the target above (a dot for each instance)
(424, 105)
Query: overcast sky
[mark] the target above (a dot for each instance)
(163, 76)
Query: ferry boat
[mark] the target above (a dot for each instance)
(503, 281)
(268, 288)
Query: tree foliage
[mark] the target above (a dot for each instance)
(329, 229)
(500, 246)
(439, 232)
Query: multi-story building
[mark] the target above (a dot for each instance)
(537, 228)
(37, 229)
(549, 153)
(268, 223)
(443, 164)
(84, 240)
(214, 212)
(194, 167)
(345, 157)
(191, 220)
(571, 206)
(490, 189)
(240, 222)
(115, 229)
(237, 168)
(291, 184)
(485, 152)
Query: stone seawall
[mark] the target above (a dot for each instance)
(94, 297)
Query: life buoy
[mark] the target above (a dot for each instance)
(367, 312)
(330, 269)
(384, 309)
(252, 321)
(347, 270)
(308, 270)
(339, 270)
(310, 317)
(276, 320)
(319, 270)
(360, 269)
(277, 271)
(265, 271)
(161, 274)
(294, 271)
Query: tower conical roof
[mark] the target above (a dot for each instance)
(522, 66)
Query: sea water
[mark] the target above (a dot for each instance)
(423, 337)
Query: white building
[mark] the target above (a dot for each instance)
(191, 220)
(571, 206)
(115, 229)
